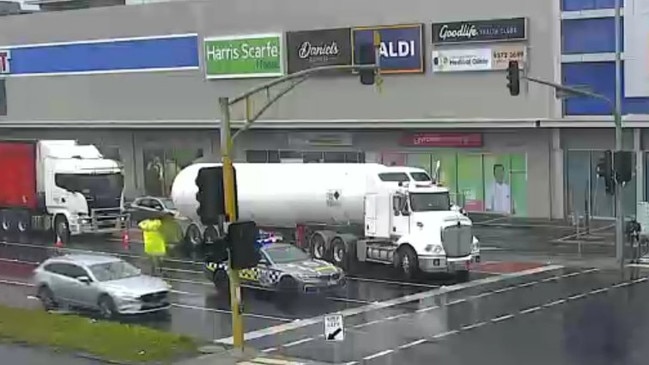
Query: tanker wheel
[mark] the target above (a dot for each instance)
(319, 247)
(5, 225)
(193, 237)
(407, 262)
(339, 253)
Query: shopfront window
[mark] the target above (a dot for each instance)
(480, 182)
(279, 156)
(585, 191)
(162, 165)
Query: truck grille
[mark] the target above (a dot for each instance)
(155, 297)
(457, 240)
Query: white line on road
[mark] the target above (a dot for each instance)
(502, 318)
(597, 291)
(270, 331)
(480, 324)
(16, 283)
(378, 354)
(577, 296)
(391, 282)
(457, 301)
(426, 309)
(223, 311)
(413, 343)
(298, 342)
(529, 283)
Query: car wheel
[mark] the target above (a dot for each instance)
(107, 308)
(407, 263)
(46, 297)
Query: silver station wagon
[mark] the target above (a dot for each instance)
(97, 282)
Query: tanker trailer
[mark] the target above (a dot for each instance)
(348, 213)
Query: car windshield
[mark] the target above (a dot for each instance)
(427, 202)
(114, 270)
(285, 254)
(168, 203)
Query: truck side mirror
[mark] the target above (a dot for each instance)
(396, 205)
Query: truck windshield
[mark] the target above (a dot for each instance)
(394, 177)
(420, 176)
(284, 254)
(91, 184)
(428, 202)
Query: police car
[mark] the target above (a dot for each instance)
(283, 267)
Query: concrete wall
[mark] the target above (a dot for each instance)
(187, 95)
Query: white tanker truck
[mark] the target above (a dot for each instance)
(348, 213)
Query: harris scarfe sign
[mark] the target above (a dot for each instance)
(401, 46)
(494, 30)
(244, 56)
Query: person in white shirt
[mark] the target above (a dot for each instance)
(499, 193)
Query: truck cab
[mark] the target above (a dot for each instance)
(80, 189)
(426, 233)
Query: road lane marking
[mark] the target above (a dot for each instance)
(16, 283)
(530, 310)
(426, 309)
(472, 326)
(457, 301)
(413, 343)
(502, 318)
(577, 296)
(445, 334)
(529, 283)
(597, 291)
(269, 331)
(223, 311)
(391, 282)
(378, 354)
(493, 320)
(268, 350)
(503, 290)
(298, 342)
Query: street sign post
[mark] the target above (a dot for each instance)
(333, 327)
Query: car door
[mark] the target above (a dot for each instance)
(57, 280)
(76, 291)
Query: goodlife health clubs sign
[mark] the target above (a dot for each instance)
(401, 46)
(495, 30)
(314, 48)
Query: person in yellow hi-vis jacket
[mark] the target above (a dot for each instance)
(155, 246)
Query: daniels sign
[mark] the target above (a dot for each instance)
(313, 48)
(496, 30)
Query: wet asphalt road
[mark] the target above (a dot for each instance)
(560, 316)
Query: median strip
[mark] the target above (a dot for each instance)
(107, 340)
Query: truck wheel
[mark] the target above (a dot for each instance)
(62, 228)
(23, 225)
(5, 225)
(339, 253)
(318, 246)
(193, 236)
(407, 262)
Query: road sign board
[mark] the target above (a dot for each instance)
(333, 327)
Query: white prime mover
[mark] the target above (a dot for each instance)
(60, 186)
(348, 213)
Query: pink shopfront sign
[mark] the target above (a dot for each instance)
(457, 140)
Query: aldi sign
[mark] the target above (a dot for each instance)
(401, 46)
(255, 55)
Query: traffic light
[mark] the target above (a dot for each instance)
(605, 170)
(211, 195)
(513, 78)
(242, 240)
(366, 56)
(623, 166)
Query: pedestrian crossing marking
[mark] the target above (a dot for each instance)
(269, 361)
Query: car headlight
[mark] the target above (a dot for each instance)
(433, 248)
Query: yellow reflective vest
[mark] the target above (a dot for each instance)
(154, 241)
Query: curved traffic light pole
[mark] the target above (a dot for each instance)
(227, 140)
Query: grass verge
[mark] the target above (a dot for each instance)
(109, 340)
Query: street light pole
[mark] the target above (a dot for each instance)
(617, 114)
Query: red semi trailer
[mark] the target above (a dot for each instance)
(58, 186)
